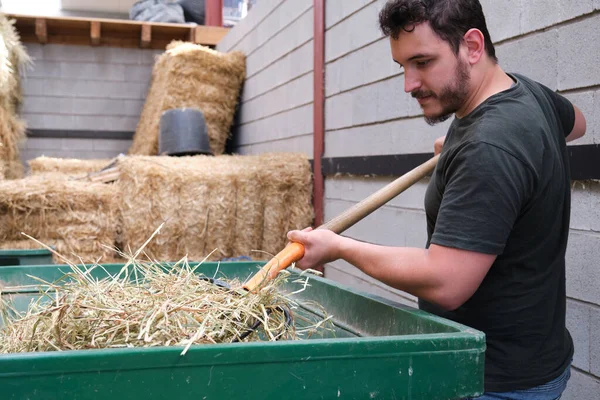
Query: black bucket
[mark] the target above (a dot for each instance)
(183, 132)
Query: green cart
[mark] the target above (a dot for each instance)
(380, 350)
(25, 257)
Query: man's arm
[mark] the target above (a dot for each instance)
(579, 127)
(442, 275)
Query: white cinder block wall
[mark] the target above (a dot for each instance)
(74, 95)
(276, 111)
(367, 113)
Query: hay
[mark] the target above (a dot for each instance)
(229, 206)
(13, 59)
(192, 76)
(75, 216)
(148, 305)
(68, 166)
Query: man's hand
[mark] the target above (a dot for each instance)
(320, 246)
(438, 144)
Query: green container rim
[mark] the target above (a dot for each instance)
(24, 252)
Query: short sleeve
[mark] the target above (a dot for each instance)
(484, 192)
(564, 109)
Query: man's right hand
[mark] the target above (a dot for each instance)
(438, 144)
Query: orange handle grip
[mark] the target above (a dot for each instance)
(291, 253)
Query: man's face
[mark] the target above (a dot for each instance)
(433, 74)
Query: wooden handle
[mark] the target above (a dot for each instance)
(295, 251)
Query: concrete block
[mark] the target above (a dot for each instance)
(117, 55)
(94, 89)
(369, 64)
(596, 4)
(595, 341)
(594, 210)
(44, 69)
(582, 386)
(111, 145)
(583, 280)
(581, 206)
(296, 122)
(100, 107)
(337, 11)
(43, 144)
(148, 57)
(48, 121)
(106, 123)
(355, 189)
(573, 9)
(585, 102)
(293, 94)
(256, 15)
(537, 14)
(76, 144)
(33, 87)
(542, 55)
(388, 226)
(344, 37)
(404, 136)
(346, 274)
(35, 51)
(502, 18)
(298, 144)
(132, 108)
(299, 32)
(47, 105)
(93, 72)
(63, 53)
(580, 54)
(578, 323)
(138, 73)
(293, 65)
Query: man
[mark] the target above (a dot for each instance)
(497, 205)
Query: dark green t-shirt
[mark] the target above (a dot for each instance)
(502, 187)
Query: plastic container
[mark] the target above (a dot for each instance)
(25, 257)
(381, 350)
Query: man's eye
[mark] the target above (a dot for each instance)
(422, 63)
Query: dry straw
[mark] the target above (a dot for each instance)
(76, 217)
(232, 205)
(148, 305)
(192, 76)
(68, 166)
(13, 59)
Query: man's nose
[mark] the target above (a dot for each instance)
(411, 82)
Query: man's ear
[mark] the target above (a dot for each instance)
(475, 42)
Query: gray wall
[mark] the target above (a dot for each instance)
(83, 88)
(368, 113)
(276, 107)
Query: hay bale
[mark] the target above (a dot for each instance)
(76, 216)
(69, 166)
(192, 76)
(234, 205)
(12, 134)
(287, 197)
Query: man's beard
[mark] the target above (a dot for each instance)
(452, 97)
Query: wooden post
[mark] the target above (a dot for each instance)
(95, 32)
(213, 13)
(146, 36)
(40, 30)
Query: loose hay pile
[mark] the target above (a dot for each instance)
(67, 166)
(192, 76)
(74, 216)
(148, 305)
(13, 58)
(234, 205)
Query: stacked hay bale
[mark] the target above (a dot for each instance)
(13, 58)
(192, 76)
(76, 217)
(228, 205)
(67, 166)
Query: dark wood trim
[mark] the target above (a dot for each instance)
(584, 161)
(79, 134)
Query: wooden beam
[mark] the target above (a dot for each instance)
(146, 36)
(95, 32)
(40, 30)
(209, 34)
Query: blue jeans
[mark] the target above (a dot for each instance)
(550, 391)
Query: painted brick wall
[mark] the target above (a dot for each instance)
(83, 88)
(276, 107)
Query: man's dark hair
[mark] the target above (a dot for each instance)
(449, 19)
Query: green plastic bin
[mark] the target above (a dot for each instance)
(381, 350)
(25, 257)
